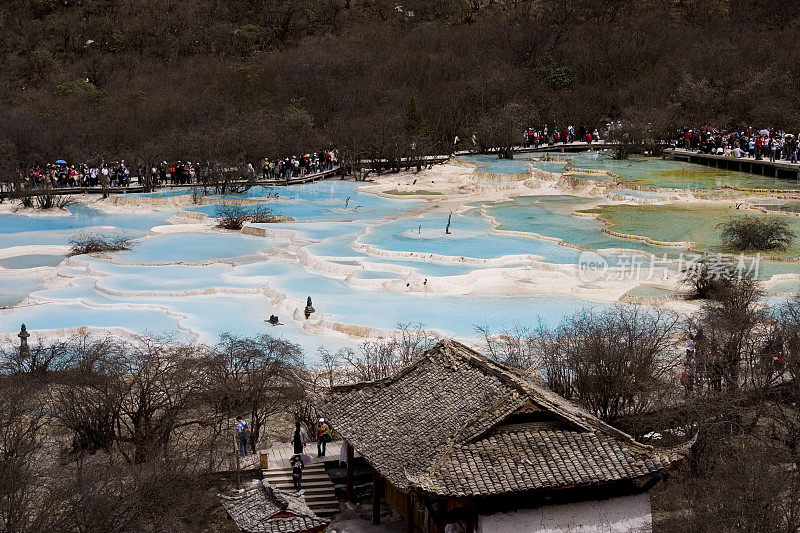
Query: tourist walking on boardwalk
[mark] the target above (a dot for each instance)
(323, 437)
(791, 148)
(243, 431)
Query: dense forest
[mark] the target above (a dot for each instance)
(234, 81)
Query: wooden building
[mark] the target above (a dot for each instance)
(261, 508)
(458, 440)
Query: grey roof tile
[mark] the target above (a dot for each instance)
(438, 427)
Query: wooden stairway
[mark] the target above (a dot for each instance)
(317, 486)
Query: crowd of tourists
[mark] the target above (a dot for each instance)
(743, 141)
(537, 137)
(119, 174)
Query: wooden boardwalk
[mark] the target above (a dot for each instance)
(762, 167)
(279, 456)
(137, 189)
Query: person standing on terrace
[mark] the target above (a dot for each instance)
(323, 436)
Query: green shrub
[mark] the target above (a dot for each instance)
(757, 233)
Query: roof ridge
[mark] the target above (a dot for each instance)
(390, 379)
(526, 385)
(456, 439)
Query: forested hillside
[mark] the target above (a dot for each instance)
(239, 80)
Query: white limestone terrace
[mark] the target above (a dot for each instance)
(371, 255)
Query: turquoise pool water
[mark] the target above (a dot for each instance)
(327, 200)
(192, 248)
(643, 195)
(454, 315)
(228, 280)
(470, 237)
(551, 216)
(31, 261)
(658, 172)
(378, 274)
(81, 217)
(14, 289)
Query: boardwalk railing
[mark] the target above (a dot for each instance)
(763, 167)
(371, 164)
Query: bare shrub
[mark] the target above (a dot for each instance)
(235, 216)
(705, 277)
(253, 377)
(770, 233)
(87, 243)
(22, 424)
(747, 484)
(730, 327)
(50, 200)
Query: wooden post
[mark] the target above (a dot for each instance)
(238, 463)
(376, 498)
(349, 492)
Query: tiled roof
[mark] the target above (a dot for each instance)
(442, 426)
(255, 510)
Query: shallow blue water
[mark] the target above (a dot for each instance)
(645, 195)
(454, 315)
(14, 289)
(655, 171)
(81, 217)
(550, 216)
(31, 261)
(470, 237)
(75, 315)
(330, 200)
(141, 298)
(378, 274)
(193, 248)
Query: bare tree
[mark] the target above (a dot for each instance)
(384, 357)
(514, 347)
(730, 324)
(614, 362)
(255, 378)
(234, 216)
(22, 424)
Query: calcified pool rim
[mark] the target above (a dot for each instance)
(354, 268)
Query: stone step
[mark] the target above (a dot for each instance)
(320, 498)
(288, 470)
(307, 488)
(306, 477)
(311, 491)
(327, 509)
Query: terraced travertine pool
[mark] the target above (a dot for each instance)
(369, 262)
(664, 173)
(680, 223)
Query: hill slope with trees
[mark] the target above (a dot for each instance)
(232, 81)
